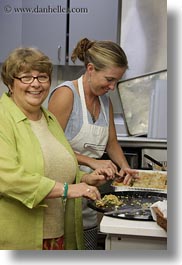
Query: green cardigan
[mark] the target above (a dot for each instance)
(23, 185)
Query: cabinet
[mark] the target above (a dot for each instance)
(45, 27)
(97, 21)
(125, 234)
(129, 242)
(34, 23)
(56, 26)
(10, 27)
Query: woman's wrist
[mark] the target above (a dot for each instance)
(123, 166)
(85, 178)
(57, 191)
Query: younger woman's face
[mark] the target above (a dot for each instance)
(103, 81)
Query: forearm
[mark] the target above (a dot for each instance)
(74, 191)
(113, 148)
(86, 161)
(57, 191)
(117, 155)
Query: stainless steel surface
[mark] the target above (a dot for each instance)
(144, 35)
(156, 162)
(120, 124)
(135, 95)
(142, 142)
(158, 154)
(157, 125)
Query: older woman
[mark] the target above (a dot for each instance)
(40, 182)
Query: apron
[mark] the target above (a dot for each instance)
(90, 141)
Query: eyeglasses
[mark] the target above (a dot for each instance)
(30, 79)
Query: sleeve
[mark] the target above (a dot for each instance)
(79, 175)
(17, 183)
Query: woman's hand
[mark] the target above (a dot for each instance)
(99, 176)
(83, 190)
(97, 164)
(126, 175)
(74, 191)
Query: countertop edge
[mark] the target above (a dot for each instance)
(110, 225)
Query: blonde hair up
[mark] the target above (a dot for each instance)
(101, 54)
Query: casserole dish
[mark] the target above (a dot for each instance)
(149, 180)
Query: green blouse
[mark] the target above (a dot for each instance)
(23, 185)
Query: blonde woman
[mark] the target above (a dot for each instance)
(85, 113)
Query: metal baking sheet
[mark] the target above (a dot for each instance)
(149, 173)
(121, 188)
(135, 96)
(135, 205)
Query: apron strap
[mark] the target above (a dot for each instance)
(103, 109)
(82, 96)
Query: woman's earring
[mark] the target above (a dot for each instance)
(10, 92)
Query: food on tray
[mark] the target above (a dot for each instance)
(108, 200)
(150, 180)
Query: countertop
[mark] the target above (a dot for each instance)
(110, 225)
(138, 141)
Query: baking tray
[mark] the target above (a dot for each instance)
(150, 173)
(135, 95)
(135, 205)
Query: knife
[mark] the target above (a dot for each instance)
(133, 215)
(121, 211)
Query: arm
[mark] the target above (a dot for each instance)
(61, 104)
(87, 186)
(30, 187)
(75, 191)
(95, 163)
(115, 151)
(113, 148)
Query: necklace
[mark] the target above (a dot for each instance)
(93, 112)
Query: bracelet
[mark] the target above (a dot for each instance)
(65, 191)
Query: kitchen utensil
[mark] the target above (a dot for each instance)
(131, 214)
(155, 162)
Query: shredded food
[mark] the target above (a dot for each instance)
(154, 180)
(108, 200)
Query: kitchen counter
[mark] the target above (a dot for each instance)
(135, 147)
(129, 234)
(142, 142)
